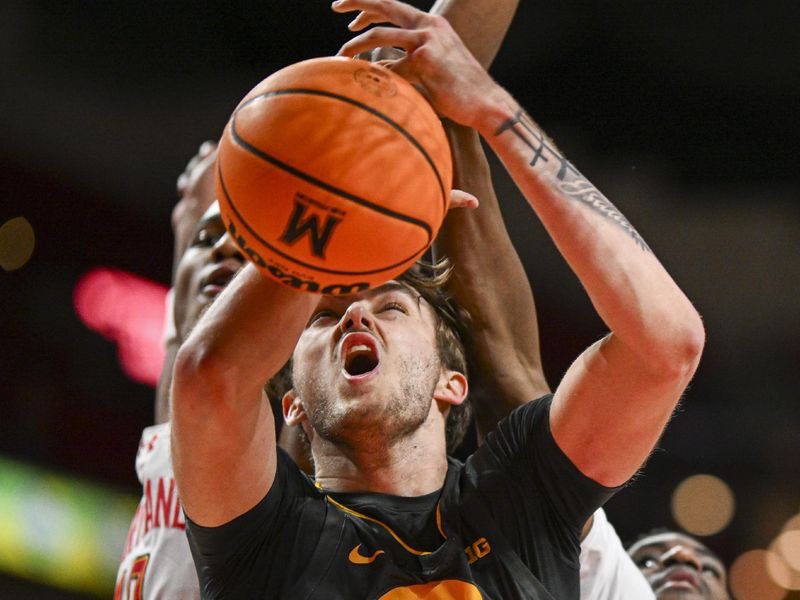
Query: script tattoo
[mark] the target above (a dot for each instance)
(570, 181)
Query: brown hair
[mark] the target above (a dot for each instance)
(452, 335)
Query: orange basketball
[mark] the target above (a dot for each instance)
(333, 175)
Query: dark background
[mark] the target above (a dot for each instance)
(685, 116)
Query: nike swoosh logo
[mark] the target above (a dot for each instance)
(359, 559)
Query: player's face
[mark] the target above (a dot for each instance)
(206, 267)
(366, 367)
(679, 567)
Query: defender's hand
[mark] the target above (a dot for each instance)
(435, 58)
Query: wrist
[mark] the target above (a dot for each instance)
(495, 109)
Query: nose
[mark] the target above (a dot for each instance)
(681, 555)
(225, 247)
(357, 316)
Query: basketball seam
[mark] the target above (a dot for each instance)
(370, 110)
(291, 258)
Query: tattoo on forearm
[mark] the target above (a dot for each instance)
(570, 181)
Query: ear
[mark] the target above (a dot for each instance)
(294, 412)
(452, 388)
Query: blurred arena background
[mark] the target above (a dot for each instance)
(686, 114)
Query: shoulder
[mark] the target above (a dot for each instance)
(515, 434)
(154, 456)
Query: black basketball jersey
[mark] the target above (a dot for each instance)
(505, 525)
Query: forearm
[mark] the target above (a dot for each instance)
(615, 399)
(247, 335)
(631, 291)
(223, 431)
(490, 282)
(481, 24)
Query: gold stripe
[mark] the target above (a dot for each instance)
(408, 548)
(439, 521)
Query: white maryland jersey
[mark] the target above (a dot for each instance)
(607, 572)
(156, 563)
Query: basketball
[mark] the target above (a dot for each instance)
(333, 175)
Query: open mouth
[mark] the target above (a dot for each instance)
(681, 577)
(217, 280)
(360, 355)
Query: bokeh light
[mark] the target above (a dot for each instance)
(17, 241)
(128, 310)
(703, 504)
(788, 546)
(749, 577)
(784, 555)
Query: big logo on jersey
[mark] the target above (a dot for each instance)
(449, 589)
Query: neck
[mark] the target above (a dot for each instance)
(414, 465)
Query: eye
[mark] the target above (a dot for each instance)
(394, 306)
(204, 239)
(713, 569)
(646, 562)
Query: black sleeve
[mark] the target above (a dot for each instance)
(531, 486)
(230, 558)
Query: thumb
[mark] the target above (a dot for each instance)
(462, 199)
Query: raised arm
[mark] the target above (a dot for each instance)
(488, 277)
(223, 440)
(490, 282)
(615, 400)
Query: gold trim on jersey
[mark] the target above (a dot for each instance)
(397, 538)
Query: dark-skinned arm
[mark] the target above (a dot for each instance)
(488, 277)
(490, 282)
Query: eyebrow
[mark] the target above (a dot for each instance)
(389, 287)
(397, 286)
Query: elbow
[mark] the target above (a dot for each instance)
(199, 378)
(682, 347)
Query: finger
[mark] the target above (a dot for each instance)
(382, 36)
(402, 68)
(211, 156)
(462, 199)
(393, 12)
(207, 147)
(363, 20)
(203, 151)
(183, 181)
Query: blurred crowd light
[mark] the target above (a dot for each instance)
(703, 504)
(129, 310)
(788, 546)
(749, 578)
(769, 574)
(17, 242)
(61, 531)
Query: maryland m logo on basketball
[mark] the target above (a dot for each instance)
(301, 224)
